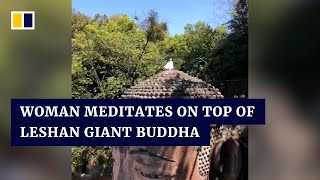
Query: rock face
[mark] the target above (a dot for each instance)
(221, 160)
(172, 84)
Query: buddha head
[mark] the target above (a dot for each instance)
(222, 159)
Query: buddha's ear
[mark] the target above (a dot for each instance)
(215, 157)
(230, 159)
(213, 162)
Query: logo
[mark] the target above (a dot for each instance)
(22, 20)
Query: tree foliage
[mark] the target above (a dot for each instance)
(112, 53)
(87, 158)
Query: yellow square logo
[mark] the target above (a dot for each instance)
(22, 20)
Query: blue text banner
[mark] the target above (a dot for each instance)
(124, 122)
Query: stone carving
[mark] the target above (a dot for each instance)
(172, 84)
(225, 158)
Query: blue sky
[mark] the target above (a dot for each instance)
(177, 13)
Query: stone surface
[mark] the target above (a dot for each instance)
(220, 160)
(172, 84)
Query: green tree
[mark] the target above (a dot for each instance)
(101, 18)
(107, 58)
(174, 47)
(155, 30)
(203, 45)
(217, 55)
(84, 157)
(79, 21)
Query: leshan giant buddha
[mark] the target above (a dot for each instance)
(225, 158)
